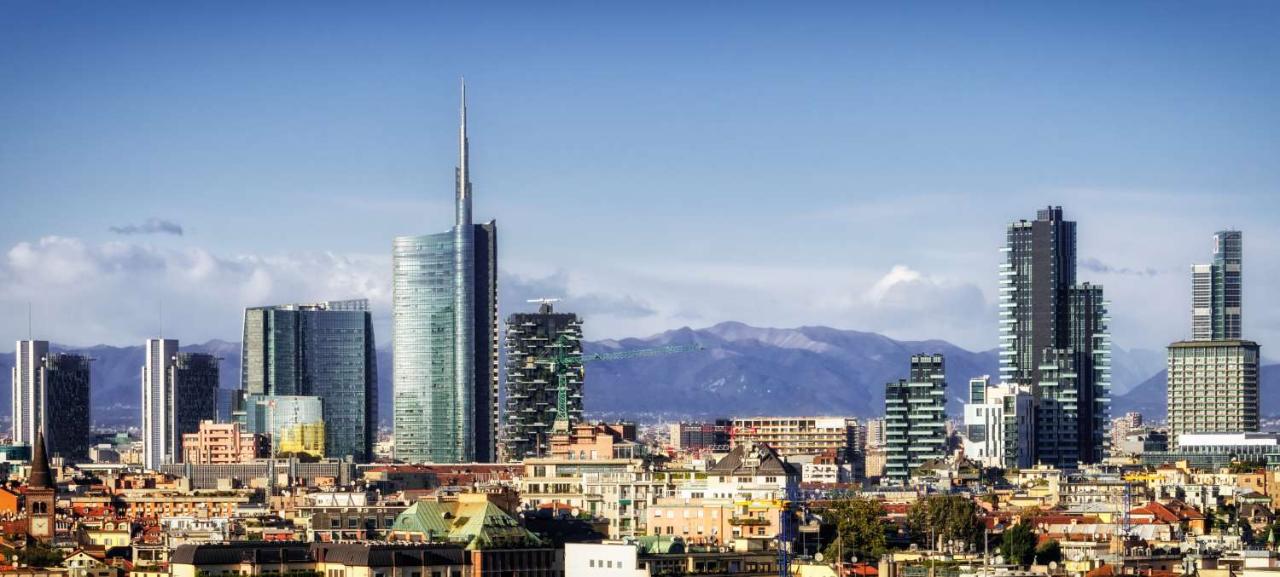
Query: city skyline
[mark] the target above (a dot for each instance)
(704, 156)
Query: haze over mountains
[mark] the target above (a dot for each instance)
(743, 370)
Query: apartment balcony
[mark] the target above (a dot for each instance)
(748, 521)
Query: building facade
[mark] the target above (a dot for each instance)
(28, 357)
(445, 336)
(221, 444)
(796, 436)
(712, 435)
(534, 341)
(1213, 387)
(178, 391)
(294, 424)
(324, 350)
(50, 393)
(1216, 310)
(1053, 328)
(64, 411)
(916, 417)
(997, 420)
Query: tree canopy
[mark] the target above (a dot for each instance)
(860, 528)
(945, 519)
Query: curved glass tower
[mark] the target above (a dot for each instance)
(444, 335)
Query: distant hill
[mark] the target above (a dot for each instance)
(744, 370)
(1151, 396)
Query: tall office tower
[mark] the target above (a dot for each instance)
(1090, 342)
(1213, 387)
(64, 405)
(997, 419)
(445, 335)
(178, 391)
(51, 393)
(157, 400)
(29, 356)
(1040, 266)
(534, 341)
(1052, 329)
(324, 350)
(1216, 290)
(916, 417)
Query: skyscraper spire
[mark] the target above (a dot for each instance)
(463, 171)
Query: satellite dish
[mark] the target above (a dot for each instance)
(1053, 565)
(853, 559)
(818, 556)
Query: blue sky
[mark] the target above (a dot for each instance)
(657, 165)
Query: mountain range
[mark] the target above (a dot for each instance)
(742, 370)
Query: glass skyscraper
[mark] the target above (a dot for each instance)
(323, 350)
(64, 384)
(51, 394)
(445, 335)
(294, 423)
(1216, 290)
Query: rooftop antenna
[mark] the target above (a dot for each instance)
(28, 320)
(160, 306)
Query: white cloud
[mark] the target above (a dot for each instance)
(114, 292)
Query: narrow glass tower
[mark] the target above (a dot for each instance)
(445, 335)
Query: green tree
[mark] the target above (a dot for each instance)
(860, 527)
(38, 554)
(1051, 551)
(1018, 545)
(944, 518)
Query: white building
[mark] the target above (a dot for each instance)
(157, 397)
(596, 560)
(992, 415)
(26, 390)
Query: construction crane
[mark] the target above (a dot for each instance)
(565, 353)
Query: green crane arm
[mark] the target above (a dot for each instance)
(559, 361)
(641, 353)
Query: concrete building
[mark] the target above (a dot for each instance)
(997, 421)
(593, 472)
(1213, 387)
(223, 443)
(260, 558)
(875, 438)
(714, 435)
(1216, 310)
(444, 316)
(324, 350)
(916, 417)
(795, 436)
(28, 357)
(534, 343)
(178, 391)
(601, 560)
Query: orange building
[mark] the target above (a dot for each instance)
(10, 502)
